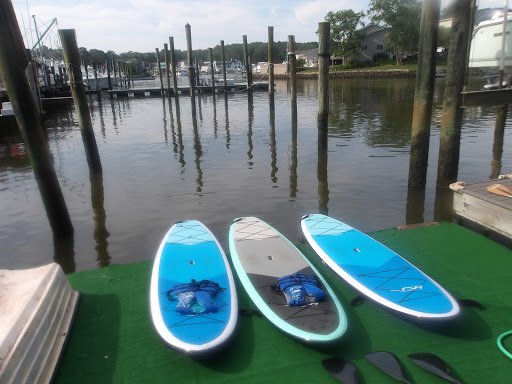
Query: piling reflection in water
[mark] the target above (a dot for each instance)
(215, 123)
(198, 150)
(273, 145)
(181, 147)
(164, 120)
(323, 184)
(293, 152)
(101, 233)
(250, 108)
(226, 117)
(497, 148)
(64, 253)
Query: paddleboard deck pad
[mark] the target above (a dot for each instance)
(376, 271)
(260, 256)
(189, 251)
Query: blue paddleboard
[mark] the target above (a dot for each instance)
(189, 251)
(261, 255)
(376, 271)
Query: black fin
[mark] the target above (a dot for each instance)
(471, 303)
(358, 300)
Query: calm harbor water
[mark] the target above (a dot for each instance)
(238, 157)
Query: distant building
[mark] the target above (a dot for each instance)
(374, 41)
(446, 23)
(310, 57)
(231, 66)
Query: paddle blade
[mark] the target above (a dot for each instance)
(341, 369)
(434, 364)
(388, 363)
(500, 189)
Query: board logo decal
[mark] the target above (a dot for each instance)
(408, 289)
(394, 280)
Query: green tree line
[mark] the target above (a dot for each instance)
(257, 51)
(401, 17)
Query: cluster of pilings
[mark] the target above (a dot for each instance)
(13, 62)
(452, 114)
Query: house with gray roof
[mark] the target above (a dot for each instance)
(374, 41)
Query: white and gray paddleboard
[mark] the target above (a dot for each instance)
(260, 256)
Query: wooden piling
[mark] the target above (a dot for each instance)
(210, 51)
(159, 70)
(196, 64)
(96, 81)
(167, 67)
(223, 58)
(32, 77)
(246, 62)
(497, 147)
(107, 63)
(173, 66)
(114, 72)
(61, 76)
(424, 94)
(451, 121)
(323, 114)
(502, 110)
(191, 70)
(72, 59)
(12, 68)
(118, 70)
(271, 60)
(86, 75)
(250, 70)
(324, 36)
(292, 66)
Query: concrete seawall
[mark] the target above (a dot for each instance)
(389, 73)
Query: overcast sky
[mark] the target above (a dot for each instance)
(143, 25)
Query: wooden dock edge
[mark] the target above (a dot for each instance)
(480, 214)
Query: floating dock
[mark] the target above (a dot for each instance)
(483, 211)
(157, 91)
(113, 339)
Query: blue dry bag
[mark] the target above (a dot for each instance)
(195, 297)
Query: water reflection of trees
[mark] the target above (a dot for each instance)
(378, 111)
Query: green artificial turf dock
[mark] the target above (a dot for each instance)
(113, 341)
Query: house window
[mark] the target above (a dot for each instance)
(379, 46)
(364, 47)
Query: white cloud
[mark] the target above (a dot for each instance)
(143, 25)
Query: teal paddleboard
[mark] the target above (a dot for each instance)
(190, 252)
(260, 256)
(376, 271)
